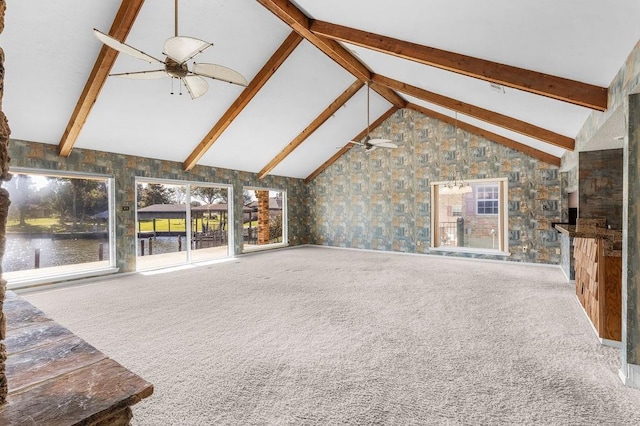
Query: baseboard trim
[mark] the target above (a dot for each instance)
(441, 256)
(569, 280)
(630, 375)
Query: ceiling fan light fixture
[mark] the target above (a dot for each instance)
(369, 143)
(178, 51)
(181, 48)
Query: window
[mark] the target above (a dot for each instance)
(58, 225)
(470, 218)
(487, 198)
(265, 221)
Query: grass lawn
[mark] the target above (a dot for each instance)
(176, 225)
(50, 224)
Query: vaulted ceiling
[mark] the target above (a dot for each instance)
(308, 64)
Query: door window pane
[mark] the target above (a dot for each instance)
(162, 225)
(209, 223)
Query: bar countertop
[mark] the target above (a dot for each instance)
(612, 237)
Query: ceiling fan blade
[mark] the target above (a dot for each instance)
(356, 143)
(219, 72)
(382, 143)
(124, 48)
(181, 49)
(196, 85)
(386, 145)
(142, 75)
(378, 141)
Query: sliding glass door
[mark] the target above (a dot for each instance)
(170, 234)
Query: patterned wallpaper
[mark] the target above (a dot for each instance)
(124, 169)
(381, 201)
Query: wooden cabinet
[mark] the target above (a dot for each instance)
(598, 280)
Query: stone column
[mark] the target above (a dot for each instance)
(630, 371)
(263, 217)
(4, 210)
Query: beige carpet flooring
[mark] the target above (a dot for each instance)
(318, 336)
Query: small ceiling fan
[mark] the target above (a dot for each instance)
(178, 51)
(371, 144)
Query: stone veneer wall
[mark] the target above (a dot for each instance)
(124, 169)
(382, 201)
(4, 211)
(601, 182)
(631, 259)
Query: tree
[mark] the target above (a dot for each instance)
(154, 193)
(85, 193)
(75, 199)
(275, 227)
(210, 195)
(248, 197)
(59, 198)
(22, 196)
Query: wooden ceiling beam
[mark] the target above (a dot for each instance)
(122, 24)
(563, 89)
(297, 20)
(324, 116)
(491, 117)
(510, 143)
(252, 89)
(300, 23)
(348, 146)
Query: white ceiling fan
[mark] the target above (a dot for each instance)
(371, 144)
(178, 51)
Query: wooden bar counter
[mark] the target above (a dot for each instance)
(598, 277)
(56, 378)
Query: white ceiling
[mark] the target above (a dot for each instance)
(50, 51)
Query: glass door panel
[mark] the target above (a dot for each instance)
(209, 223)
(162, 225)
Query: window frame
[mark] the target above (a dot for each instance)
(188, 184)
(503, 218)
(484, 200)
(34, 276)
(285, 220)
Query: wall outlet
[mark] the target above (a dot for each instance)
(525, 249)
(557, 251)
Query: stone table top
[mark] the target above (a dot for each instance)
(56, 378)
(612, 237)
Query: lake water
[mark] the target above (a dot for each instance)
(20, 251)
